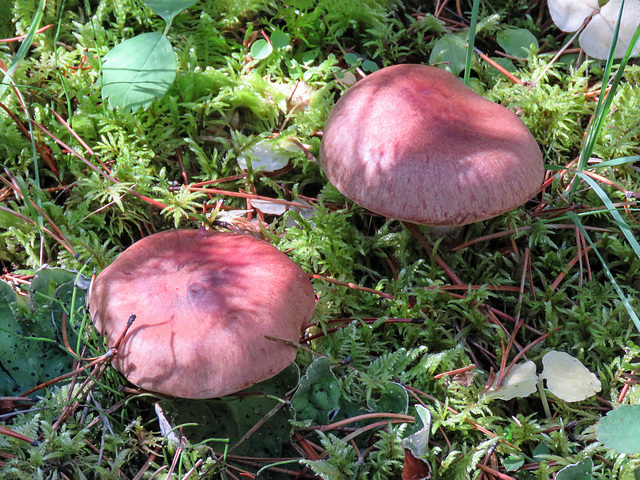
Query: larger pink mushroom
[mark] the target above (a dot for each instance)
(413, 143)
(204, 303)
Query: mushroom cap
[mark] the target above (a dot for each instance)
(204, 302)
(412, 142)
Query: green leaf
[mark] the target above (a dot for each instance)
(48, 280)
(517, 41)
(261, 49)
(577, 471)
(620, 429)
(393, 399)
(513, 463)
(138, 71)
(279, 39)
(540, 451)
(309, 57)
(351, 59)
(230, 418)
(13, 349)
(451, 52)
(168, 9)
(29, 347)
(369, 66)
(318, 394)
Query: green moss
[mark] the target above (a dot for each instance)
(370, 272)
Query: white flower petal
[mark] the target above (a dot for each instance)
(596, 38)
(521, 382)
(567, 378)
(569, 15)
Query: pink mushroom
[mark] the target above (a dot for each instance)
(413, 143)
(204, 302)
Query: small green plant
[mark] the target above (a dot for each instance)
(143, 68)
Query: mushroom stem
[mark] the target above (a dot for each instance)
(451, 235)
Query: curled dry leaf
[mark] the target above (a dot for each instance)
(275, 208)
(415, 446)
(597, 36)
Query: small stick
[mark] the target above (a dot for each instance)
(498, 67)
(22, 37)
(11, 433)
(351, 285)
(455, 372)
(101, 358)
(495, 473)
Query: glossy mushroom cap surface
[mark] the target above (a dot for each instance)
(413, 143)
(204, 302)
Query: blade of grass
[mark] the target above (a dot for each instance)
(607, 271)
(604, 101)
(472, 40)
(63, 82)
(616, 161)
(24, 47)
(624, 226)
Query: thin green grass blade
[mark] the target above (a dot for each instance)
(615, 162)
(598, 116)
(58, 70)
(624, 226)
(24, 48)
(607, 271)
(472, 40)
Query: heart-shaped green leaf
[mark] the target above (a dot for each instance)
(279, 39)
(449, 53)
(138, 71)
